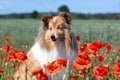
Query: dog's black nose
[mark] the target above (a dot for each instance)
(53, 38)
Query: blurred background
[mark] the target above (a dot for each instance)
(83, 9)
(92, 19)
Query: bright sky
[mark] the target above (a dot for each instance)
(83, 6)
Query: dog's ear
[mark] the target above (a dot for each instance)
(45, 19)
(67, 17)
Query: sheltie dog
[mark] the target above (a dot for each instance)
(55, 40)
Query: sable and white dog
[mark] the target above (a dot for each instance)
(55, 40)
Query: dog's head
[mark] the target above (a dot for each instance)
(57, 28)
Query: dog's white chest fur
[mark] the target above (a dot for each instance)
(43, 56)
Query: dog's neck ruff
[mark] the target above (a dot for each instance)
(43, 56)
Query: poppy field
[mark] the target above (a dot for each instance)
(98, 49)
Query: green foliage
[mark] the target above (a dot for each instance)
(22, 32)
(105, 30)
(63, 8)
(34, 14)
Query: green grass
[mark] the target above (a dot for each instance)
(106, 30)
(22, 32)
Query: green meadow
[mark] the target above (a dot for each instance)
(22, 33)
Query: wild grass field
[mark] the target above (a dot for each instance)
(22, 33)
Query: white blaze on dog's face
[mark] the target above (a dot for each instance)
(58, 28)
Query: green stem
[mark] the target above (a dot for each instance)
(26, 72)
(67, 75)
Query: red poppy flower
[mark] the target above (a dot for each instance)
(100, 71)
(6, 38)
(116, 70)
(42, 77)
(82, 48)
(83, 55)
(116, 74)
(37, 70)
(21, 56)
(76, 75)
(77, 38)
(12, 55)
(13, 65)
(92, 49)
(6, 48)
(81, 63)
(95, 46)
(99, 44)
(1, 70)
(82, 74)
(118, 49)
(101, 58)
(1, 58)
(39, 74)
(117, 60)
(55, 66)
(109, 47)
(62, 62)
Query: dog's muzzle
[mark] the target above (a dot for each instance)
(53, 38)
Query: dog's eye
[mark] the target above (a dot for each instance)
(50, 28)
(59, 27)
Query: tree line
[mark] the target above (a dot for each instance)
(36, 15)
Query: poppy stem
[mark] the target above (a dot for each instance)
(26, 72)
(57, 77)
(67, 74)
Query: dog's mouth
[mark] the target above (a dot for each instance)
(53, 38)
